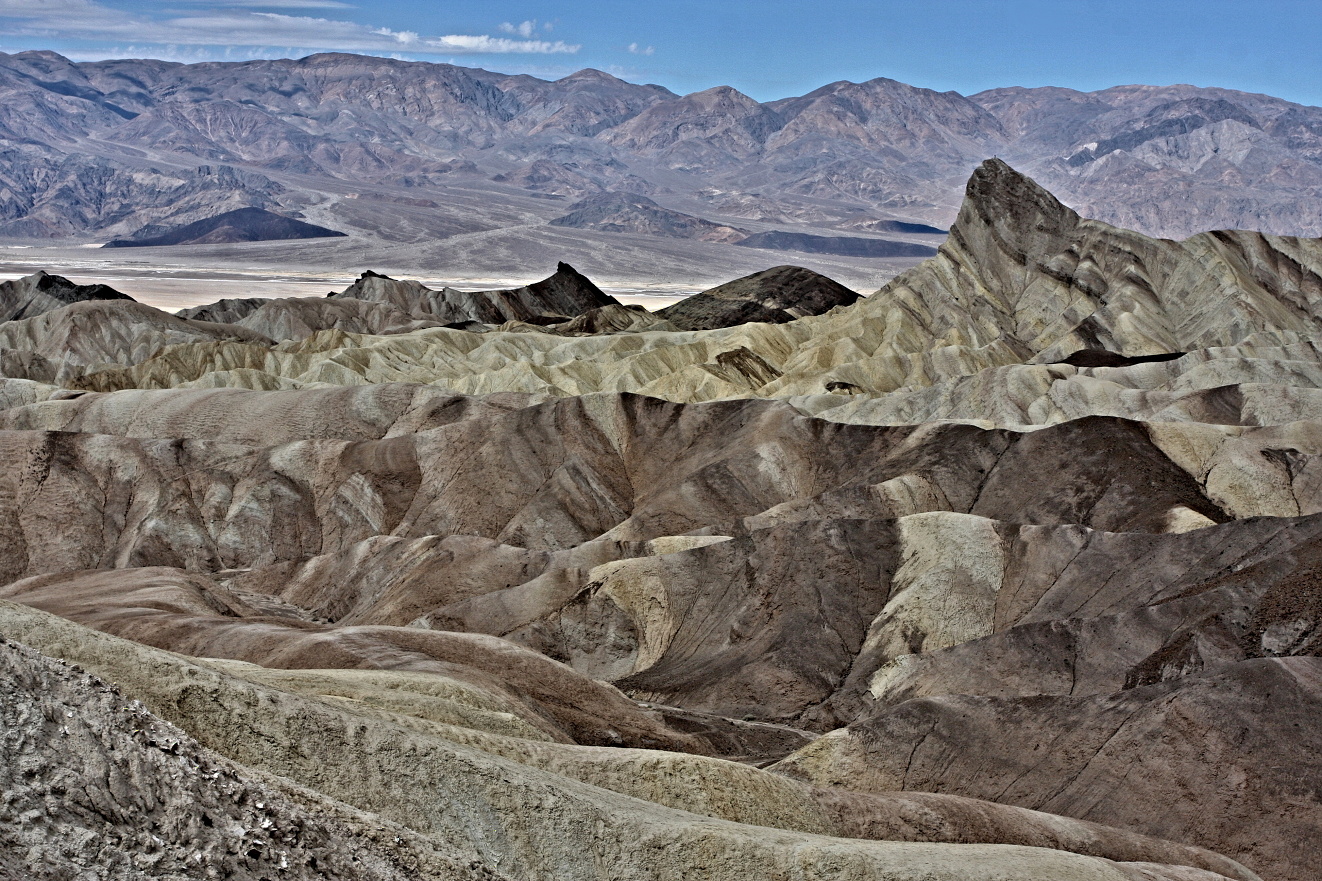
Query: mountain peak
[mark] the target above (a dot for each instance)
(590, 74)
(42, 291)
(1012, 204)
(774, 296)
(721, 94)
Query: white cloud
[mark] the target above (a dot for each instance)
(499, 45)
(270, 4)
(639, 50)
(237, 27)
(26, 8)
(524, 29)
(184, 54)
(408, 38)
(57, 14)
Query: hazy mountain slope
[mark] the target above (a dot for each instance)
(582, 103)
(1124, 154)
(628, 212)
(707, 129)
(849, 246)
(49, 196)
(883, 115)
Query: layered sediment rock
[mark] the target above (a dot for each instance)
(991, 329)
(1026, 542)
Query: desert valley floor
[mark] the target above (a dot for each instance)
(1009, 570)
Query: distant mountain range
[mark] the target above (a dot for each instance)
(405, 152)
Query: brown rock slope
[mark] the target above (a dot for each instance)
(94, 783)
(458, 802)
(1234, 743)
(1029, 556)
(553, 476)
(592, 531)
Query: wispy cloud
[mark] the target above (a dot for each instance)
(40, 7)
(269, 4)
(641, 50)
(481, 45)
(233, 25)
(523, 29)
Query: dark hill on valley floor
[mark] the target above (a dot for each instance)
(240, 225)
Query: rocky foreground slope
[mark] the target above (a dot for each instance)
(1009, 570)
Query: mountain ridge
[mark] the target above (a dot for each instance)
(311, 137)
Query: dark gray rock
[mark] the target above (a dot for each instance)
(565, 294)
(774, 295)
(239, 225)
(41, 292)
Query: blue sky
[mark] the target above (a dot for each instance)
(769, 49)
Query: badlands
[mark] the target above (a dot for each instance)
(1009, 570)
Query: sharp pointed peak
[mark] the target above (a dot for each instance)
(997, 186)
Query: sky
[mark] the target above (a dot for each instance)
(768, 49)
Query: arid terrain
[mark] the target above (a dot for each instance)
(1007, 570)
(457, 174)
